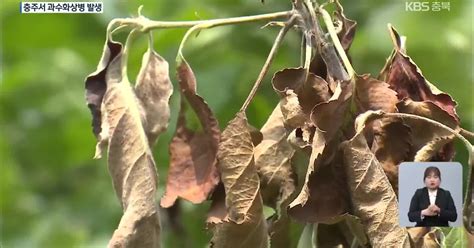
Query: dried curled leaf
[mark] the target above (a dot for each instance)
(244, 225)
(347, 28)
(406, 79)
(433, 239)
(310, 92)
(273, 161)
(237, 168)
(321, 207)
(217, 212)
(422, 133)
(131, 164)
(154, 90)
(312, 202)
(193, 168)
(251, 233)
(96, 86)
(373, 199)
(299, 94)
(427, 152)
(391, 146)
(329, 116)
(417, 234)
(373, 94)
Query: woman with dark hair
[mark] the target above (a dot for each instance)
(432, 205)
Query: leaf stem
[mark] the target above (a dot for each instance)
(128, 44)
(336, 42)
(188, 33)
(268, 62)
(466, 133)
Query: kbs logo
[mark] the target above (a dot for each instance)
(417, 6)
(427, 6)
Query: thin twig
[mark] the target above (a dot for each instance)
(268, 62)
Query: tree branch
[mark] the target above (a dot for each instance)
(144, 24)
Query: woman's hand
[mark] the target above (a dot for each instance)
(434, 208)
(429, 211)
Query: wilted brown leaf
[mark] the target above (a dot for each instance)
(237, 168)
(329, 116)
(257, 136)
(273, 161)
(391, 146)
(373, 94)
(251, 233)
(347, 27)
(406, 79)
(433, 239)
(299, 96)
(431, 149)
(417, 234)
(154, 88)
(193, 173)
(373, 199)
(312, 202)
(217, 212)
(96, 86)
(245, 225)
(292, 112)
(422, 133)
(131, 164)
(321, 207)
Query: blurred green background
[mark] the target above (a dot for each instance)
(53, 194)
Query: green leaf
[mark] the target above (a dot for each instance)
(456, 238)
(307, 236)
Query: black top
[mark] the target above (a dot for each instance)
(421, 200)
